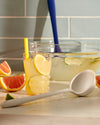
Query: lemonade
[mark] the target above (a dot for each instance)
(66, 66)
(72, 59)
(37, 70)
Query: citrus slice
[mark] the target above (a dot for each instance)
(9, 97)
(5, 69)
(42, 65)
(95, 59)
(13, 83)
(72, 61)
(38, 84)
(98, 81)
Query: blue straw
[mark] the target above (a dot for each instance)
(52, 10)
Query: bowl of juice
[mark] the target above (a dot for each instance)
(67, 64)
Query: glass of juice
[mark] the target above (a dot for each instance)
(37, 70)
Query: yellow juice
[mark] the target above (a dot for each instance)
(37, 70)
(66, 66)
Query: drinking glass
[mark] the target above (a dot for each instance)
(37, 70)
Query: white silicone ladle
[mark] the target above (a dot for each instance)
(82, 84)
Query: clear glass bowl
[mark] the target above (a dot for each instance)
(73, 58)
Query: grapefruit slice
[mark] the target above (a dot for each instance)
(5, 69)
(98, 81)
(13, 83)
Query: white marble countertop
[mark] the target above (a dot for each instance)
(63, 108)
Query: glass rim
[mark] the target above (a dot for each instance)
(53, 43)
(65, 43)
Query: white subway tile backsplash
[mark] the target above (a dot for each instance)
(78, 7)
(85, 27)
(11, 7)
(64, 7)
(31, 27)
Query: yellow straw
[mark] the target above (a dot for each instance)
(26, 48)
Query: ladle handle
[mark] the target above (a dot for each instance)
(19, 101)
(52, 10)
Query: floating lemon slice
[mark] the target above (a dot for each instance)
(95, 60)
(41, 64)
(72, 61)
(38, 84)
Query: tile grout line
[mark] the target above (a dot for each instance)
(6, 58)
(69, 27)
(25, 16)
(85, 17)
(46, 38)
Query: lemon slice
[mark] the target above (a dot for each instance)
(95, 59)
(38, 84)
(72, 61)
(41, 64)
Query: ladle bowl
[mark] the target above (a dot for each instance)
(83, 83)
